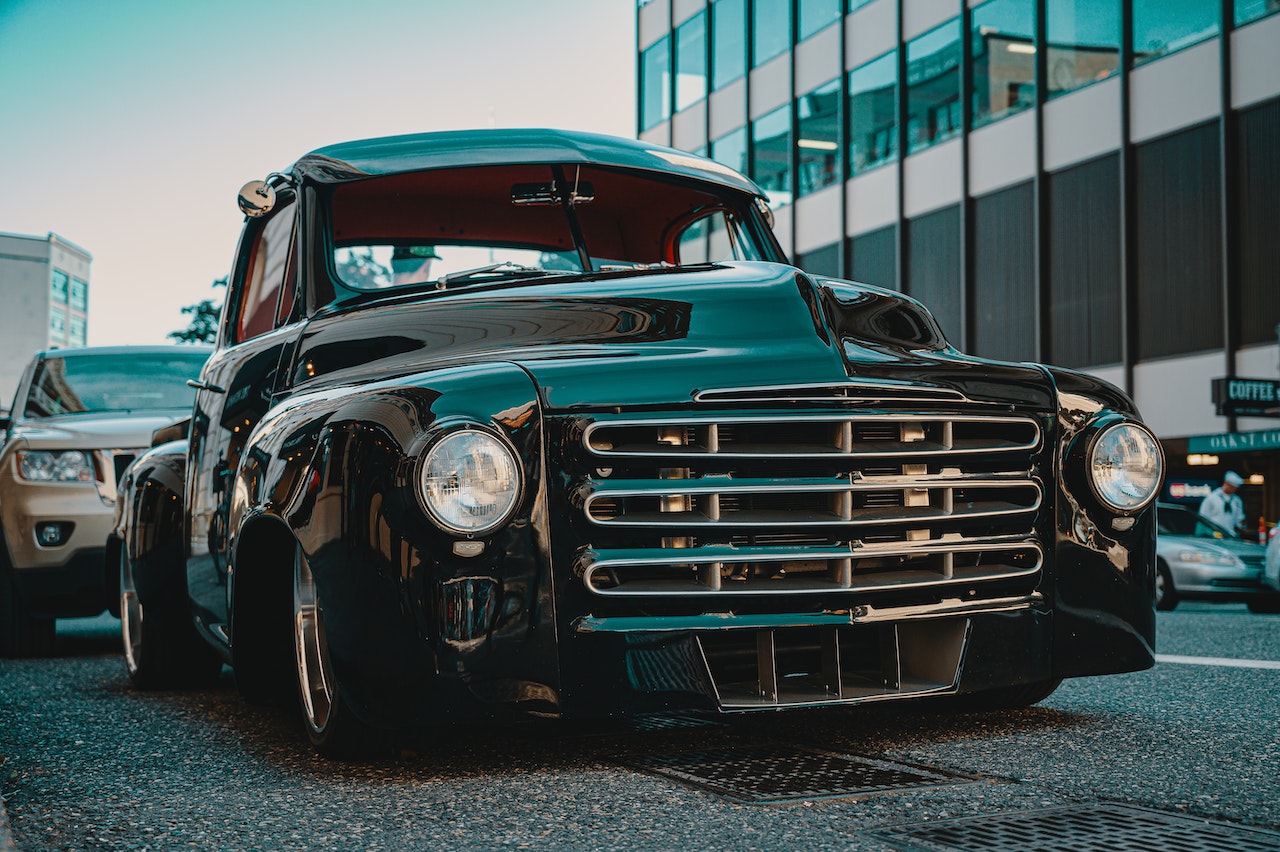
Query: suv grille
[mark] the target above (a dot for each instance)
(794, 503)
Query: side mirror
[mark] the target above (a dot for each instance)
(256, 198)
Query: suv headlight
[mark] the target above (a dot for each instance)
(469, 481)
(69, 466)
(1125, 465)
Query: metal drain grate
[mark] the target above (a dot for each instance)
(765, 775)
(641, 724)
(1085, 828)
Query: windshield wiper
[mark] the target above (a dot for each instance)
(505, 269)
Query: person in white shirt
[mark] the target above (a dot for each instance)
(1223, 506)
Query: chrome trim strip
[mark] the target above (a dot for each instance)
(867, 392)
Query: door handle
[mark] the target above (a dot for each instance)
(200, 384)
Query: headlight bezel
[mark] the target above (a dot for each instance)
(422, 487)
(1100, 431)
(29, 472)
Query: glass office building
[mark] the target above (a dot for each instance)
(1090, 183)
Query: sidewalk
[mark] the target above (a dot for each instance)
(6, 837)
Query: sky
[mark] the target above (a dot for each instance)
(128, 126)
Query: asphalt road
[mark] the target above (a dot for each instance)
(86, 762)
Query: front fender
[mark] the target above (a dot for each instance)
(402, 610)
(149, 518)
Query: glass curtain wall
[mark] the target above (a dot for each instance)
(1161, 27)
(655, 83)
(691, 61)
(1084, 42)
(728, 41)
(873, 113)
(1251, 10)
(818, 140)
(933, 86)
(815, 15)
(1003, 77)
(771, 30)
(771, 154)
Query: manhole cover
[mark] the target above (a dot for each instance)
(771, 774)
(672, 723)
(1084, 828)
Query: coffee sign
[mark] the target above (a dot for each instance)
(1237, 397)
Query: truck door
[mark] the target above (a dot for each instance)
(237, 386)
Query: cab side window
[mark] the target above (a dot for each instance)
(265, 277)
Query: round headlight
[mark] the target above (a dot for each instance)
(470, 481)
(1125, 465)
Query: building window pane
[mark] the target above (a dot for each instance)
(933, 86)
(817, 15)
(873, 113)
(77, 331)
(728, 41)
(771, 155)
(873, 257)
(1258, 215)
(691, 61)
(772, 22)
(57, 323)
(731, 149)
(856, 4)
(1163, 26)
(655, 83)
(1004, 59)
(1004, 308)
(1084, 42)
(821, 261)
(818, 144)
(1251, 10)
(79, 294)
(59, 286)
(933, 266)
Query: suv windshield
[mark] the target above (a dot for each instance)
(463, 226)
(119, 382)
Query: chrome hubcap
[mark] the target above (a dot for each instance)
(130, 614)
(315, 679)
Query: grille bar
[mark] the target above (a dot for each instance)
(879, 566)
(843, 501)
(811, 436)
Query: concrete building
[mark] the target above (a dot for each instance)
(45, 302)
(1091, 183)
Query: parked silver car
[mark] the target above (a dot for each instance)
(1199, 560)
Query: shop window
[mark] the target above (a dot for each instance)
(933, 89)
(771, 154)
(1084, 42)
(771, 30)
(873, 113)
(655, 83)
(818, 140)
(1003, 77)
(728, 41)
(1161, 27)
(691, 61)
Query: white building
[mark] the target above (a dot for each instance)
(44, 301)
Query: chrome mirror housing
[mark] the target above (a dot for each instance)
(256, 198)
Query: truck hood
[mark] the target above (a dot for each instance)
(723, 332)
(106, 431)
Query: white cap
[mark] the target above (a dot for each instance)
(1233, 478)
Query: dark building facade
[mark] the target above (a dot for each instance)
(1092, 183)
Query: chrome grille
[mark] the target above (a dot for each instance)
(806, 504)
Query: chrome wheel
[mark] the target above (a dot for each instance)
(315, 678)
(130, 615)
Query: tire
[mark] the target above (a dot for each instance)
(161, 646)
(1265, 606)
(334, 730)
(1166, 594)
(21, 634)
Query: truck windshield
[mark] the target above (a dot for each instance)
(83, 384)
(464, 226)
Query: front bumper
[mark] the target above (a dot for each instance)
(67, 580)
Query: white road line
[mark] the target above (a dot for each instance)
(1219, 661)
